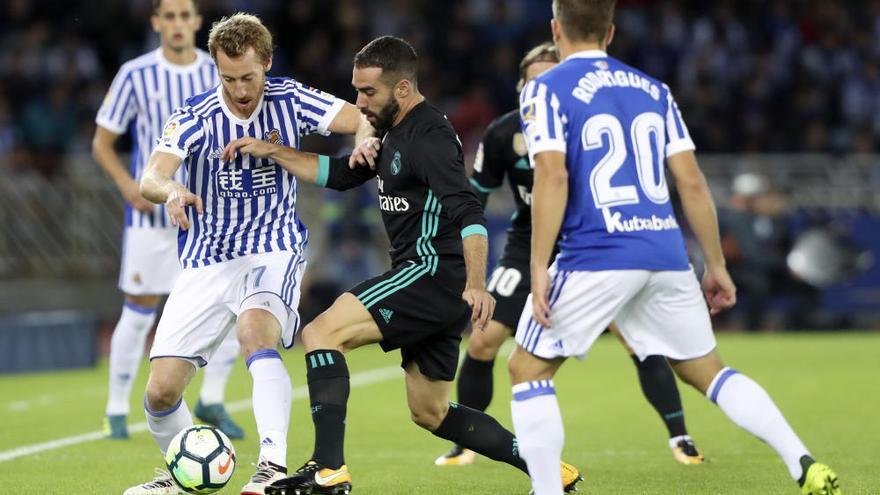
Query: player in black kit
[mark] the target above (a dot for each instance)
(503, 153)
(436, 285)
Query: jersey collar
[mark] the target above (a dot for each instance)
(588, 54)
(234, 118)
(167, 64)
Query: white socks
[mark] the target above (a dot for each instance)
(537, 422)
(218, 369)
(126, 351)
(271, 398)
(165, 424)
(748, 405)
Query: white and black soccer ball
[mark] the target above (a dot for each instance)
(200, 459)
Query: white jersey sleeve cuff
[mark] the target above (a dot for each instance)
(324, 125)
(174, 151)
(546, 145)
(110, 125)
(678, 146)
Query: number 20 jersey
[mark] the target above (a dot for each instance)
(616, 126)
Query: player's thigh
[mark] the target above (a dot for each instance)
(149, 263)
(427, 398)
(668, 317)
(484, 344)
(582, 305)
(345, 325)
(268, 287)
(197, 315)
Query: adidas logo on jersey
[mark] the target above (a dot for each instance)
(386, 314)
(614, 222)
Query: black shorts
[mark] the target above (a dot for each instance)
(510, 285)
(420, 313)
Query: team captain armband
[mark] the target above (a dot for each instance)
(475, 229)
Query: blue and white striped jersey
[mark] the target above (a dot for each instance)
(144, 93)
(250, 204)
(616, 126)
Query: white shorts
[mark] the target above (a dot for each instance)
(149, 261)
(205, 302)
(658, 312)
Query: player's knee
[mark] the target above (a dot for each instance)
(429, 417)
(482, 349)
(253, 340)
(318, 335)
(162, 394)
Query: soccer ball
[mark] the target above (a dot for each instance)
(200, 459)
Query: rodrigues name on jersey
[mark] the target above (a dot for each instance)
(249, 203)
(616, 126)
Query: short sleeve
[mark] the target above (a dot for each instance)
(119, 105)
(488, 163)
(182, 134)
(315, 109)
(678, 138)
(543, 125)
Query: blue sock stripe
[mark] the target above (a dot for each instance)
(139, 309)
(537, 388)
(263, 354)
(313, 361)
(329, 358)
(161, 414)
(713, 396)
(321, 360)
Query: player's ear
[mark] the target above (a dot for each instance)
(609, 36)
(269, 64)
(198, 20)
(154, 21)
(403, 88)
(556, 30)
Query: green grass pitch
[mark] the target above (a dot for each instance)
(826, 384)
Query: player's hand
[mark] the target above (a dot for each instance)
(365, 153)
(176, 205)
(540, 296)
(719, 289)
(482, 306)
(247, 146)
(132, 195)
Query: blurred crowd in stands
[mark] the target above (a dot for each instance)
(750, 75)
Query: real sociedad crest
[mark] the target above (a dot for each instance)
(274, 137)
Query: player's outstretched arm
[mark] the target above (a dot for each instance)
(158, 185)
(333, 173)
(549, 197)
(105, 154)
(301, 164)
(699, 208)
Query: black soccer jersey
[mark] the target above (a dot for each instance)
(427, 204)
(503, 152)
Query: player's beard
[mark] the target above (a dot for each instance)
(385, 117)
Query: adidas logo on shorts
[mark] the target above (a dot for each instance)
(386, 314)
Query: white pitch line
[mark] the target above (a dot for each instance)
(357, 380)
